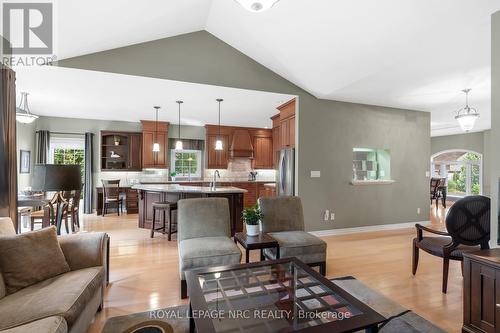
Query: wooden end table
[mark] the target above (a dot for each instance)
(260, 242)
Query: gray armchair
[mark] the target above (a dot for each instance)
(204, 236)
(283, 219)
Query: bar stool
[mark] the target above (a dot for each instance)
(165, 207)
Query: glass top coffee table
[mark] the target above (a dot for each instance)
(282, 295)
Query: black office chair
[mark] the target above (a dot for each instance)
(468, 225)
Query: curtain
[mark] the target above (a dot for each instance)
(42, 147)
(88, 186)
(8, 152)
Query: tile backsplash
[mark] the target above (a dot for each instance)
(238, 168)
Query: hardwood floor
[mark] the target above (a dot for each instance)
(144, 271)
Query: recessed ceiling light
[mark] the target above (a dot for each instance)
(257, 6)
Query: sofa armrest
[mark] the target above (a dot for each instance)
(84, 250)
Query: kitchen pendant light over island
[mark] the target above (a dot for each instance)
(156, 145)
(218, 143)
(178, 143)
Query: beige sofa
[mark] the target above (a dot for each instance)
(65, 303)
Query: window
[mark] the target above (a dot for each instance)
(462, 171)
(68, 150)
(186, 163)
(371, 164)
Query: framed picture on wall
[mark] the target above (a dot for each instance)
(24, 158)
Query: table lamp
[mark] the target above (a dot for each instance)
(57, 177)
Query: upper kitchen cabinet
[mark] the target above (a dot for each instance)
(150, 132)
(217, 159)
(284, 127)
(263, 149)
(121, 151)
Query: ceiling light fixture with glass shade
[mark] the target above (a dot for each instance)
(156, 145)
(178, 143)
(218, 142)
(467, 116)
(257, 6)
(23, 113)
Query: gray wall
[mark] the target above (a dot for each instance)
(25, 141)
(327, 130)
(495, 122)
(477, 141)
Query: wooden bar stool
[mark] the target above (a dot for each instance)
(167, 208)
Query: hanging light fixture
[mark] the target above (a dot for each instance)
(156, 145)
(257, 6)
(218, 142)
(23, 113)
(467, 116)
(178, 144)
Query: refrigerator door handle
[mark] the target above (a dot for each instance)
(282, 175)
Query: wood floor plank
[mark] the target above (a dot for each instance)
(144, 272)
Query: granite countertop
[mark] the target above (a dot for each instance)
(207, 180)
(173, 188)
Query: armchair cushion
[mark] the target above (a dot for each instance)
(65, 295)
(54, 324)
(306, 247)
(30, 258)
(281, 214)
(206, 252)
(85, 249)
(434, 246)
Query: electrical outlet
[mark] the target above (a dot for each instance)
(332, 216)
(326, 215)
(418, 211)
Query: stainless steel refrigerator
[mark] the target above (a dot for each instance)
(285, 175)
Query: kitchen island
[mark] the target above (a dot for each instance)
(149, 193)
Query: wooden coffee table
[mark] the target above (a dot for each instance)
(260, 242)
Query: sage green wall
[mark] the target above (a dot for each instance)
(25, 140)
(495, 122)
(477, 141)
(326, 130)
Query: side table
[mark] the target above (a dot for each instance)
(260, 242)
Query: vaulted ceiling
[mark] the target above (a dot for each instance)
(415, 54)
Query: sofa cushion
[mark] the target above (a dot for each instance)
(65, 295)
(207, 252)
(300, 244)
(6, 229)
(55, 324)
(30, 258)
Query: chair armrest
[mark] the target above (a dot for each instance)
(84, 250)
(421, 228)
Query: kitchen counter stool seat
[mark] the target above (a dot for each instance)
(166, 208)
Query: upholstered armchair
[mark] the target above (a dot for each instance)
(203, 236)
(283, 219)
(468, 229)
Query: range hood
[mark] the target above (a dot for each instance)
(241, 146)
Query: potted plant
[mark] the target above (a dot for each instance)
(173, 175)
(252, 217)
(117, 140)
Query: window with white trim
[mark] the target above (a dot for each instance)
(186, 163)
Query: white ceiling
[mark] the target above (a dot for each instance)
(415, 54)
(74, 93)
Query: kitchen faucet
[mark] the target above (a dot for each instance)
(214, 183)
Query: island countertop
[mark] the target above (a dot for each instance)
(176, 188)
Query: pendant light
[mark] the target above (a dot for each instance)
(218, 142)
(156, 145)
(178, 144)
(467, 116)
(257, 6)
(23, 113)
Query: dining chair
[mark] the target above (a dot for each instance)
(434, 190)
(468, 229)
(111, 196)
(72, 212)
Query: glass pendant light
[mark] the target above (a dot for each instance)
(467, 116)
(257, 6)
(23, 113)
(218, 142)
(156, 145)
(178, 143)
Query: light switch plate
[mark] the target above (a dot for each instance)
(315, 174)
(427, 174)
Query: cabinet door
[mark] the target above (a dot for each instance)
(285, 133)
(135, 152)
(291, 131)
(483, 299)
(276, 144)
(217, 159)
(148, 160)
(263, 153)
(161, 156)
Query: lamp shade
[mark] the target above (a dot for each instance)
(56, 177)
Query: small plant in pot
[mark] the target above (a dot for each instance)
(252, 217)
(173, 175)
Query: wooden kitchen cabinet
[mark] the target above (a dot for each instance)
(266, 191)
(135, 151)
(482, 291)
(263, 153)
(217, 159)
(151, 159)
(126, 145)
(284, 127)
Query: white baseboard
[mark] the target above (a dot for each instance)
(371, 228)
